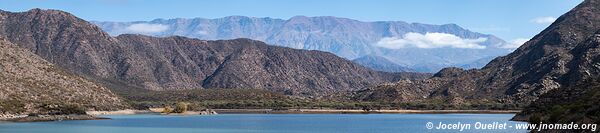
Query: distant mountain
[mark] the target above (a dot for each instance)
(29, 84)
(172, 63)
(478, 63)
(556, 60)
(344, 37)
(380, 64)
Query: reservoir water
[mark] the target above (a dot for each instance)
(272, 123)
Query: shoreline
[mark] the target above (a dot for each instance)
(336, 111)
(46, 118)
(119, 112)
(303, 111)
(148, 111)
(97, 115)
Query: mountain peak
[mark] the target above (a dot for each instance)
(570, 28)
(321, 18)
(299, 18)
(237, 17)
(451, 25)
(47, 11)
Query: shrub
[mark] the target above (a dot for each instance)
(167, 110)
(11, 106)
(181, 107)
(535, 118)
(62, 109)
(73, 109)
(556, 113)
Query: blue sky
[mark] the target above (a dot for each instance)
(508, 19)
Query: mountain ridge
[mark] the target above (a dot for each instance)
(172, 63)
(344, 37)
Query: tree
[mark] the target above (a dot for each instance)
(181, 107)
(367, 108)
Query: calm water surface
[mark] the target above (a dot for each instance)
(262, 123)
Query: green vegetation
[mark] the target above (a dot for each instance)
(581, 105)
(535, 119)
(62, 109)
(49, 108)
(167, 110)
(181, 107)
(11, 106)
(311, 104)
(199, 99)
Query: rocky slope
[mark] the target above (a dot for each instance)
(560, 56)
(182, 63)
(573, 103)
(29, 84)
(344, 37)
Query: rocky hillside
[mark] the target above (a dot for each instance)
(577, 104)
(29, 84)
(182, 63)
(574, 103)
(344, 37)
(562, 55)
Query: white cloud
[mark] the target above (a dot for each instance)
(543, 20)
(430, 40)
(146, 28)
(202, 32)
(516, 43)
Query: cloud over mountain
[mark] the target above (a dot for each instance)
(430, 40)
(146, 28)
(516, 43)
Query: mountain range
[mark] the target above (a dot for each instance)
(174, 63)
(344, 37)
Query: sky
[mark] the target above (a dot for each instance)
(511, 20)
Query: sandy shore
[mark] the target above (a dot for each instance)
(93, 115)
(119, 112)
(149, 111)
(271, 111)
(335, 111)
(302, 111)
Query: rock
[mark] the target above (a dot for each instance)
(208, 112)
